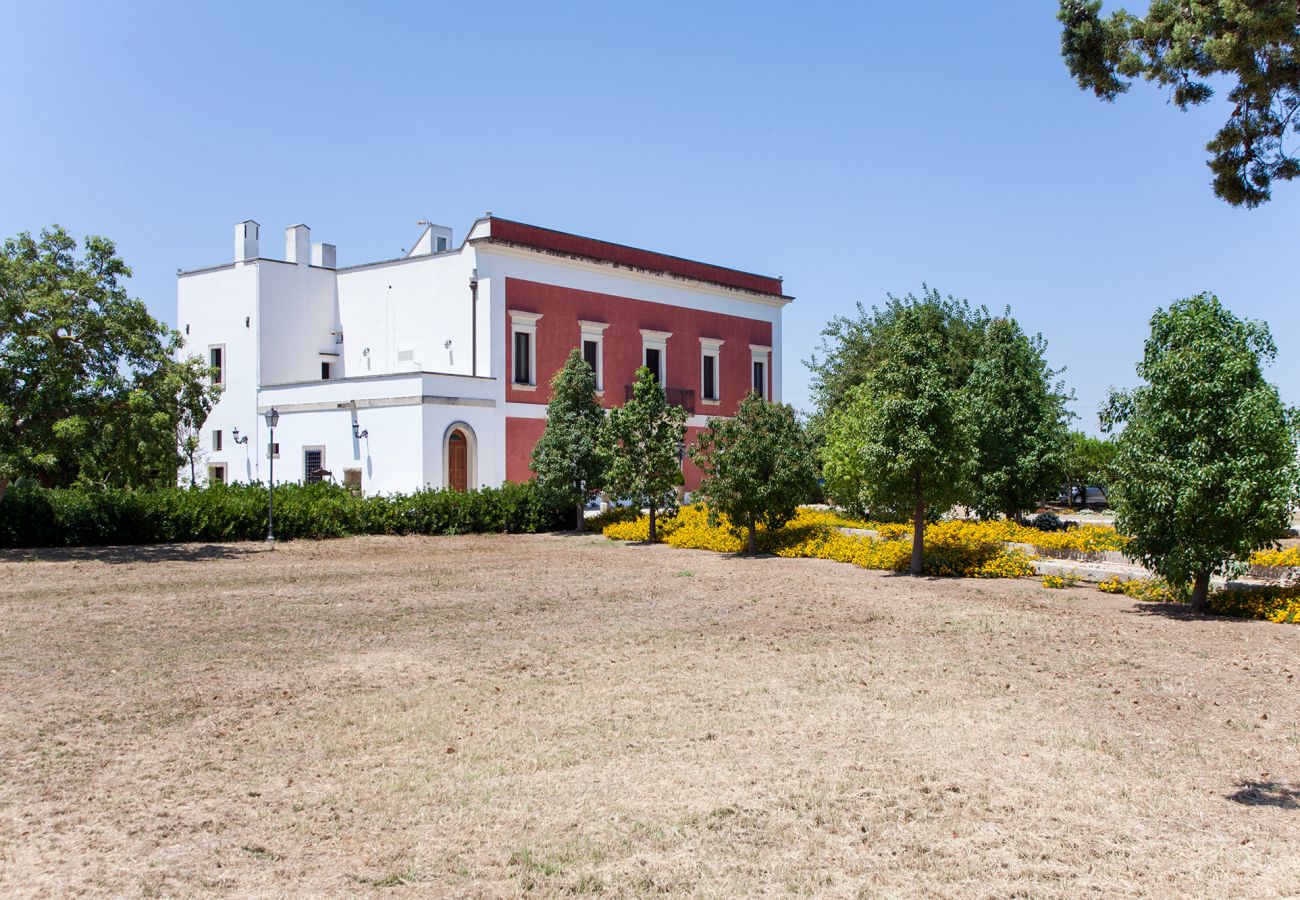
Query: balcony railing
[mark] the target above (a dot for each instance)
(675, 397)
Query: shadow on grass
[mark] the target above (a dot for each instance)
(135, 553)
(1266, 793)
(1179, 611)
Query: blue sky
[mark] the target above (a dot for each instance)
(855, 149)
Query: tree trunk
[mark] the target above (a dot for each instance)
(753, 541)
(1201, 593)
(652, 534)
(918, 532)
(4, 487)
(193, 477)
(580, 523)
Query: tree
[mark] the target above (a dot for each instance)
(852, 347)
(89, 384)
(1088, 460)
(1014, 411)
(902, 425)
(196, 399)
(758, 466)
(644, 435)
(1183, 45)
(570, 458)
(1205, 465)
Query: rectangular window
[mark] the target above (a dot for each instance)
(217, 363)
(273, 450)
(325, 369)
(216, 439)
(760, 379)
(313, 464)
(217, 474)
(523, 357)
(592, 335)
(442, 243)
(652, 363)
(710, 377)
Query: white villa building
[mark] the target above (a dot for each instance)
(433, 369)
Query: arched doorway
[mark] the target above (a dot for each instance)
(457, 461)
(459, 457)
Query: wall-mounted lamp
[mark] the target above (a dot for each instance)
(447, 344)
(358, 432)
(234, 432)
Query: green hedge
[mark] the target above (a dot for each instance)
(35, 517)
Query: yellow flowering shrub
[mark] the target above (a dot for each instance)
(1276, 559)
(1053, 581)
(951, 548)
(638, 529)
(1149, 590)
(1276, 603)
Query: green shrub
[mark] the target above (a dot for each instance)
(31, 516)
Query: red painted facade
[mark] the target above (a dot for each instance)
(558, 332)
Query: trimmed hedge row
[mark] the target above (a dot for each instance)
(37, 517)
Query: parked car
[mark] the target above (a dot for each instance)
(1092, 497)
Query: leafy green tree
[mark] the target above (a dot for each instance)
(852, 347)
(644, 435)
(196, 398)
(902, 426)
(758, 466)
(570, 458)
(1014, 412)
(89, 384)
(1088, 460)
(1206, 463)
(1184, 45)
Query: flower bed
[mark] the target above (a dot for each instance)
(951, 548)
(1273, 602)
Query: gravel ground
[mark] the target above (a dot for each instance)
(490, 716)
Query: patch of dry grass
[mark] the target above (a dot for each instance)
(496, 715)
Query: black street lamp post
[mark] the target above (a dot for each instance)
(272, 419)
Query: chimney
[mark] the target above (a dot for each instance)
(246, 241)
(324, 255)
(297, 244)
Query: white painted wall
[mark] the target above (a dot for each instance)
(417, 305)
(213, 306)
(406, 416)
(299, 306)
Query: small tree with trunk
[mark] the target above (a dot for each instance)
(644, 436)
(570, 459)
(758, 466)
(1205, 466)
(1014, 411)
(899, 432)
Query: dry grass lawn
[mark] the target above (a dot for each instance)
(488, 716)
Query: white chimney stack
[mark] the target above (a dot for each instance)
(324, 255)
(297, 244)
(246, 241)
